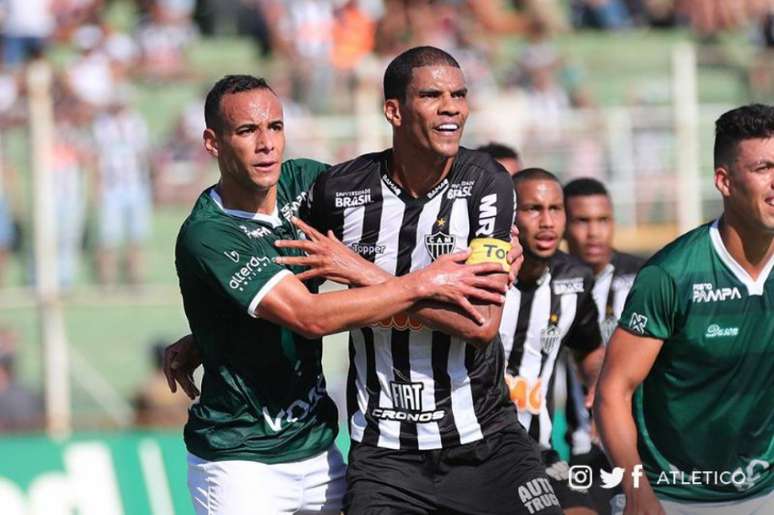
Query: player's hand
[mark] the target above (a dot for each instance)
(180, 360)
(448, 279)
(328, 257)
(642, 501)
(515, 256)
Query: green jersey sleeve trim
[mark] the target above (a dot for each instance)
(265, 289)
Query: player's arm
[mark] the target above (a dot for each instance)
(628, 361)
(327, 257)
(448, 279)
(648, 319)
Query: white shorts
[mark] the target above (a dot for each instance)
(760, 505)
(315, 485)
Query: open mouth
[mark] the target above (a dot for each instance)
(448, 128)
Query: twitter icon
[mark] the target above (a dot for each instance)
(611, 479)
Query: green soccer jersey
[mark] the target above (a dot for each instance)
(705, 412)
(263, 394)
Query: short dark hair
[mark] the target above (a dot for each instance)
(226, 86)
(584, 187)
(499, 150)
(534, 174)
(746, 122)
(397, 76)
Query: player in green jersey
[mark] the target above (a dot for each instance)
(260, 438)
(685, 402)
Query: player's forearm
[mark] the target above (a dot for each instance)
(454, 322)
(590, 365)
(613, 416)
(333, 312)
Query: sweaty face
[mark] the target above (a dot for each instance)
(750, 193)
(540, 217)
(590, 229)
(251, 141)
(435, 109)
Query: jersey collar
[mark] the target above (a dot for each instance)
(273, 219)
(754, 287)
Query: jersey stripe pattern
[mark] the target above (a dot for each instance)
(410, 387)
(558, 309)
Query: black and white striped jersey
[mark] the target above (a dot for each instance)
(538, 319)
(410, 387)
(611, 287)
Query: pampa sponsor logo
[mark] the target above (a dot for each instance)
(254, 234)
(567, 286)
(352, 198)
(704, 292)
(244, 275)
(715, 331)
(368, 249)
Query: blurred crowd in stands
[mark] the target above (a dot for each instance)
(318, 55)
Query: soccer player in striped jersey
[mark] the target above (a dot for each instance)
(686, 396)
(432, 426)
(549, 306)
(589, 237)
(260, 438)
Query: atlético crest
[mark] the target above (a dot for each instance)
(439, 243)
(550, 337)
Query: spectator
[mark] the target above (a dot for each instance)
(90, 78)
(164, 41)
(600, 14)
(26, 26)
(70, 155)
(154, 404)
(181, 165)
(20, 408)
(123, 189)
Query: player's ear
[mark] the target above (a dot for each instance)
(210, 142)
(723, 180)
(392, 111)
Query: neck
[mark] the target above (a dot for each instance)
(531, 269)
(749, 246)
(417, 171)
(600, 267)
(237, 197)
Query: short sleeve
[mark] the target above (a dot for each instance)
(234, 264)
(492, 206)
(584, 335)
(651, 306)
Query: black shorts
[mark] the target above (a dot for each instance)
(501, 474)
(559, 476)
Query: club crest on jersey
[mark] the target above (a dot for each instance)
(550, 336)
(439, 243)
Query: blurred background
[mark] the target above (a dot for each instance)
(101, 115)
